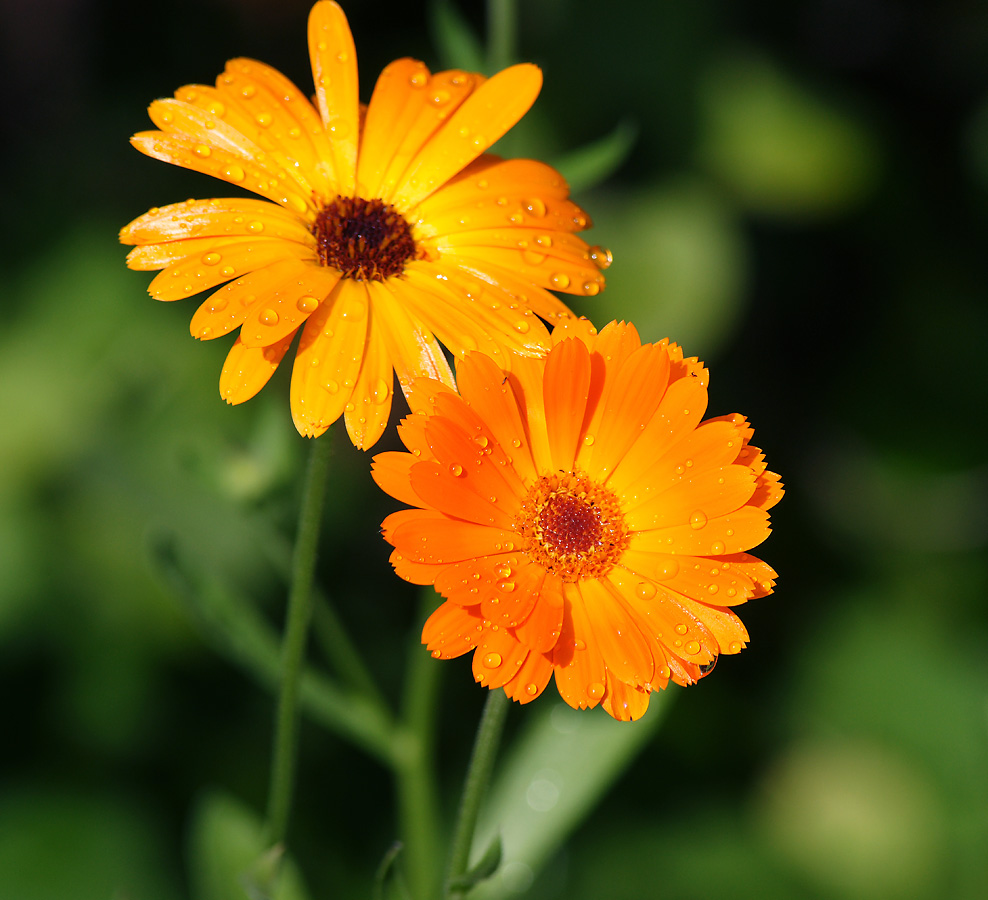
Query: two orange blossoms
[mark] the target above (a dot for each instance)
(382, 229)
(568, 503)
(580, 519)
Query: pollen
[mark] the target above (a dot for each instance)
(572, 526)
(367, 240)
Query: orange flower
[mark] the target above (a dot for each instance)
(580, 520)
(389, 227)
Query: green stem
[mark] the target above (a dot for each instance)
(475, 787)
(418, 794)
(502, 27)
(293, 645)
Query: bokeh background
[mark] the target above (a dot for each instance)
(804, 206)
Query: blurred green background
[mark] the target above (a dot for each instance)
(805, 207)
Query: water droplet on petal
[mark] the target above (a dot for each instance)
(307, 303)
(506, 586)
(681, 628)
(698, 520)
(248, 91)
(559, 280)
(579, 644)
(595, 691)
(535, 207)
(692, 647)
(456, 470)
(228, 271)
(202, 150)
(269, 317)
(588, 440)
(211, 259)
(601, 257)
(734, 647)
(332, 386)
(522, 327)
(707, 668)
(234, 173)
(503, 571)
(531, 689)
(645, 590)
(591, 288)
(667, 569)
(255, 227)
(717, 548)
(492, 660)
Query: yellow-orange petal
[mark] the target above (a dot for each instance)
(565, 388)
(298, 290)
(436, 539)
(235, 169)
(451, 631)
(516, 591)
(698, 497)
(734, 533)
(625, 650)
(276, 115)
(569, 274)
(541, 628)
(366, 415)
(439, 486)
(223, 260)
(530, 679)
(580, 668)
(390, 471)
(247, 369)
(711, 579)
(327, 363)
(334, 71)
(418, 104)
(412, 347)
(228, 308)
(498, 658)
(484, 387)
(624, 702)
(220, 218)
(483, 118)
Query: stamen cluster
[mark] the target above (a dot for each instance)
(367, 240)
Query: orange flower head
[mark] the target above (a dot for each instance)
(580, 520)
(383, 229)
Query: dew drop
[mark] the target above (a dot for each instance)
(269, 317)
(440, 97)
(543, 240)
(255, 227)
(481, 441)
(456, 470)
(522, 327)
(506, 586)
(698, 520)
(503, 571)
(436, 654)
(234, 173)
(530, 257)
(588, 440)
(535, 207)
(516, 443)
(205, 333)
(681, 628)
(601, 257)
(211, 259)
(734, 647)
(218, 304)
(707, 668)
(579, 644)
(595, 691)
(492, 660)
(712, 588)
(692, 647)
(332, 386)
(591, 288)
(531, 689)
(202, 150)
(667, 569)
(645, 590)
(381, 392)
(307, 303)
(717, 548)
(248, 91)
(559, 280)
(418, 79)
(228, 271)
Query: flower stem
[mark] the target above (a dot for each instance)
(293, 645)
(475, 787)
(418, 794)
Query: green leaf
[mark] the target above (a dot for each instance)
(485, 867)
(558, 770)
(228, 857)
(459, 47)
(594, 163)
(388, 872)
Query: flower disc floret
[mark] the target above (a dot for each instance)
(572, 527)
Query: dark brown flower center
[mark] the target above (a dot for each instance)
(569, 525)
(367, 240)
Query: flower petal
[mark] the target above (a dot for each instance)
(579, 665)
(248, 369)
(451, 631)
(481, 120)
(334, 71)
(530, 680)
(300, 290)
(565, 387)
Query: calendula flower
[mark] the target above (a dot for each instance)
(580, 519)
(382, 229)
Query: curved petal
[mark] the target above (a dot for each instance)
(248, 369)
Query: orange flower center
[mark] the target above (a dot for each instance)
(572, 526)
(367, 240)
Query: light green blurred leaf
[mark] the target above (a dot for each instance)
(228, 858)
(459, 47)
(680, 264)
(781, 148)
(484, 868)
(592, 164)
(557, 771)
